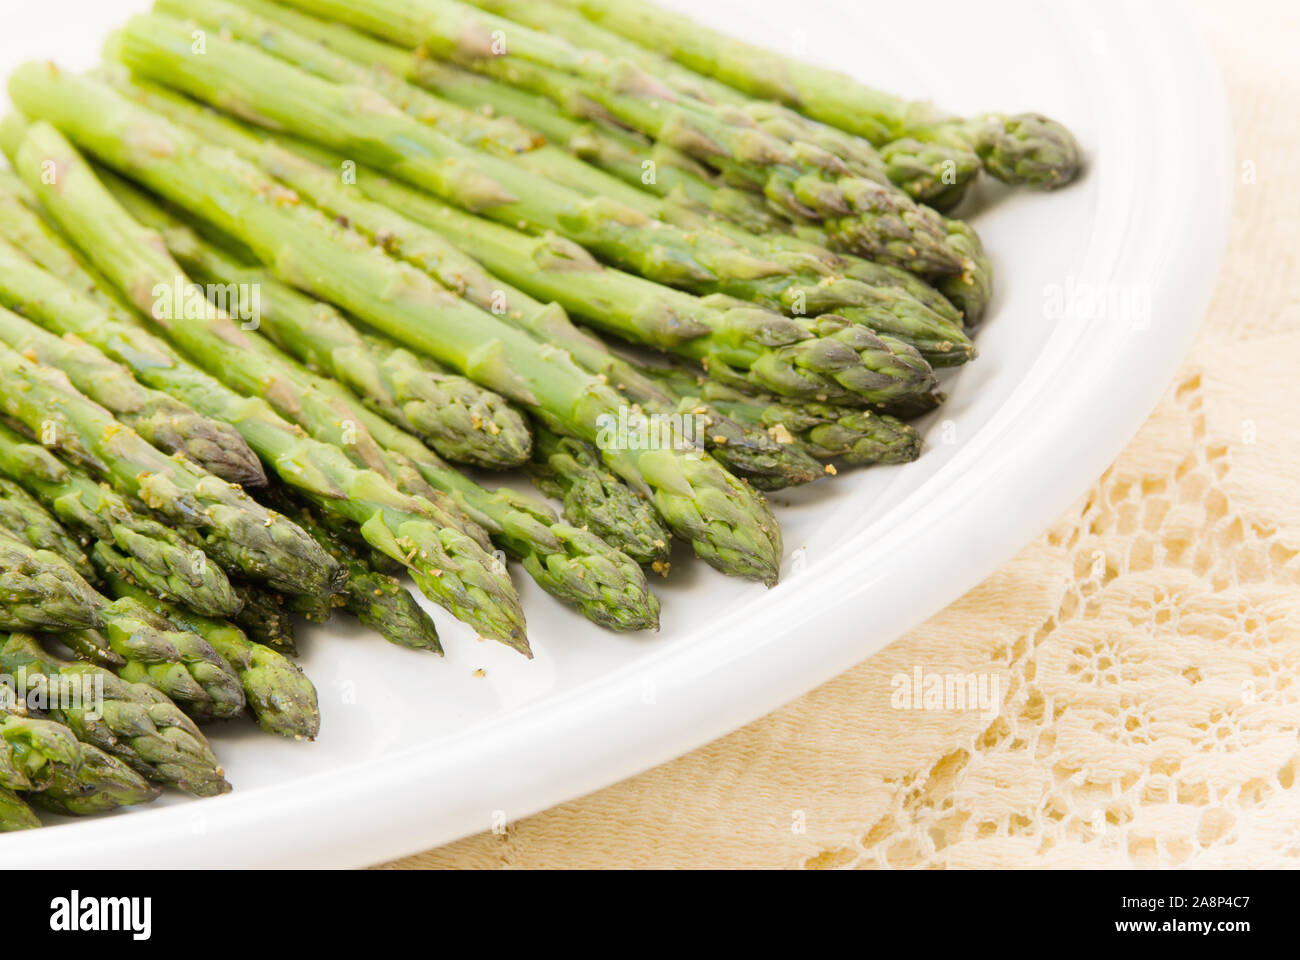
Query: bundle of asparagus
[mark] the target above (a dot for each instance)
(279, 272)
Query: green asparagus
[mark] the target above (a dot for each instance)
(459, 419)
(24, 517)
(31, 748)
(267, 617)
(864, 215)
(160, 419)
(130, 721)
(279, 695)
(823, 431)
(569, 563)
(40, 590)
(1023, 149)
(15, 814)
(716, 513)
(377, 599)
(23, 227)
(237, 531)
(100, 783)
(449, 566)
(570, 471)
(156, 555)
(933, 327)
(368, 128)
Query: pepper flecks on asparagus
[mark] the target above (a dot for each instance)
(279, 695)
(160, 419)
(130, 721)
(375, 598)
(169, 563)
(236, 530)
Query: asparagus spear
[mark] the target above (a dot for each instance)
(24, 517)
(570, 471)
(39, 590)
(237, 531)
(806, 182)
(130, 721)
(159, 418)
(723, 520)
(30, 749)
(752, 454)
(187, 671)
(824, 431)
(377, 599)
(792, 290)
(614, 150)
(449, 566)
(266, 617)
(281, 698)
(1024, 149)
(176, 663)
(461, 420)
(802, 357)
(15, 814)
(101, 783)
(23, 227)
(169, 563)
(928, 172)
(573, 565)
(368, 128)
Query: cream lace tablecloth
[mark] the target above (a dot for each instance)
(1147, 646)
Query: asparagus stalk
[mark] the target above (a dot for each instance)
(101, 783)
(448, 564)
(160, 419)
(807, 183)
(931, 173)
(187, 671)
(130, 721)
(266, 617)
(792, 289)
(377, 599)
(30, 749)
(824, 357)
(39, 590)
(169, 563)
(461, 420)
(23, 227)
(705, 505)
(677, 178)
(281, 698)
(571, 564)
(750, 453)
(237, 531)
(23, 516)
(370, 129)
(1024, 149)
(570, 471)
(15, 814)
(823, 431)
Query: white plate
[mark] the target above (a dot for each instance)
(415, 752)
